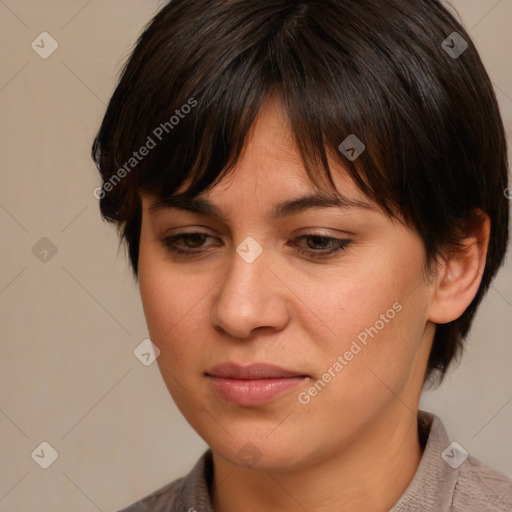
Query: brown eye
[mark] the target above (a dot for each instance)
(192, 243)
(334, 245)
(197, 240)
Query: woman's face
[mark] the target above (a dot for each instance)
(353, 325)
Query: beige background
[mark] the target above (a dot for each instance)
(69, 326)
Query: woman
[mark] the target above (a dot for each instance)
(314, 199)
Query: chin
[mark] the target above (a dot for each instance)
(261, 451)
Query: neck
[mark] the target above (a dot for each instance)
(370, 474)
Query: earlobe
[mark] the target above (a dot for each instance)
(460, 272)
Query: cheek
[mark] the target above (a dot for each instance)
(376, 317)
(156, 296)
(367, 364)
(353, 304)
(159, 292)
(173, 304)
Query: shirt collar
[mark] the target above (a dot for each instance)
(434, 482)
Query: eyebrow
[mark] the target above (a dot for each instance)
(280, 210)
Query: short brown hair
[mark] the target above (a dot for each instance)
(379, 69)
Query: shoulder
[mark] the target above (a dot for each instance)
(186, 494)
(164, 499)
(450, 479)
(480, 487)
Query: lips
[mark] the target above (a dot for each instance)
(252, 372)
(255, 385)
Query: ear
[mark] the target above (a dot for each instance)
(460, 272)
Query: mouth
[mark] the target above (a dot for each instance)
(253, 385)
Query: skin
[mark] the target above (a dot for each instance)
(355, 445)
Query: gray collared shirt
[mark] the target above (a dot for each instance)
(447, 480)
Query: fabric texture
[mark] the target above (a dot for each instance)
(447, 480)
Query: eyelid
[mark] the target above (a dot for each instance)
(320, 232)
(203, 230)
(340, 245)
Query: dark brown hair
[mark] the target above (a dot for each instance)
(385, 70)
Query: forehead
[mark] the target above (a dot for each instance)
(270, 165)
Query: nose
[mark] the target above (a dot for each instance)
(250, 297)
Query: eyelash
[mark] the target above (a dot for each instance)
(169, 244)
